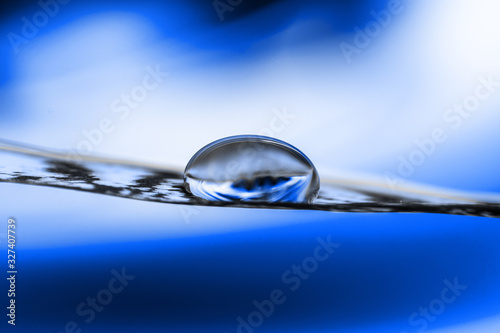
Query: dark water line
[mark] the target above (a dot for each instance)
(33, 166)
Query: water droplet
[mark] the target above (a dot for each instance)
(251, 168)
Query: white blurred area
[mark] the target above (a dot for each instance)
(357, 116)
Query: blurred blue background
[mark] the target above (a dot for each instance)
(406, 91)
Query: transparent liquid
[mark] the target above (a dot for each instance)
(261, 189)
(251, 168)
(28, 165)
(202, 270)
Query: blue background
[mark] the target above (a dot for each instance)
(198, 269)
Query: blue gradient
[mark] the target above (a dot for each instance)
(199, 269)
(387, 266)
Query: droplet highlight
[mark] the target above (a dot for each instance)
(251, 168)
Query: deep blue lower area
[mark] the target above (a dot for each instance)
(384, 268)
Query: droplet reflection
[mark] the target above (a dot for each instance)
(251, 168)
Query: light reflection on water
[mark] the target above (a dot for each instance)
(201, 273)
(34, 166)
(199, 268)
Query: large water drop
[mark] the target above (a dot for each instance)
(251, 168)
